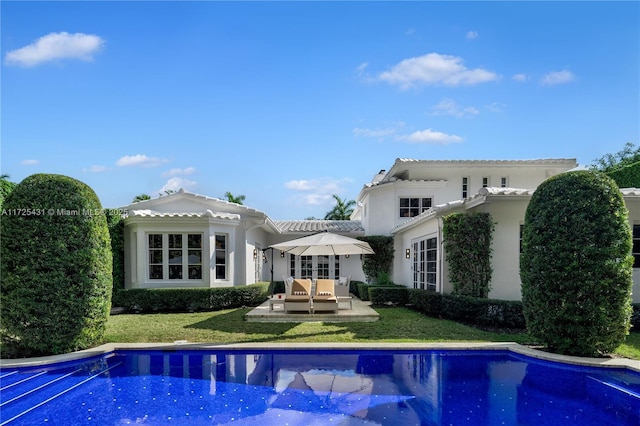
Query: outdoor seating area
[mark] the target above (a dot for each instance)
(313, 300)
(272, 310)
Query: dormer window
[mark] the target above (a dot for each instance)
(410, 207)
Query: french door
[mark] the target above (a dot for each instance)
(314, 267)
(425, 264)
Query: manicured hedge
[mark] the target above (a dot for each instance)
(190, 299)
(469, 310)
(383, 295)
(56, 266)
(362, 290)
(576, 264)
(628, 176)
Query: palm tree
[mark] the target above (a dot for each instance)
(230, 198)
(342, 209)
(141, 197)
(6, 186)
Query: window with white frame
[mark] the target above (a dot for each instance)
(504, 182)
(485, 182)
(465, 187)
(413, 206)
(636, 246)
(221, 256)
(175, 256)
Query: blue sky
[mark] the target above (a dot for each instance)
(288, 103)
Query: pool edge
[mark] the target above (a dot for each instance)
(509, 346)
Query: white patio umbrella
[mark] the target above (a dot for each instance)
(324, 243)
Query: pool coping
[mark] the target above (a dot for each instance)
(516, 348)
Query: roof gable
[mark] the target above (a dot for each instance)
(182, 203)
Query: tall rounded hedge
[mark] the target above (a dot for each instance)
(576, 264)
(56, 266)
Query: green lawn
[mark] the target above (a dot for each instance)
(395, 325)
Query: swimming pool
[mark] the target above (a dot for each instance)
(318, 387)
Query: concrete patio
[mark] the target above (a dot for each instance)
(272, 310)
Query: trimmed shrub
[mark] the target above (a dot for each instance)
(469, 310)
(576, 264)
(467, 244)
(56, 267)
(190, 299)
(627, 176)
(386, 295)
(116, 233)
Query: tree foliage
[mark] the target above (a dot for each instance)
(467, 244)
(141, 197)
(56, 266)
(234, 199)
(576, 264)
(611, 162)
(342, 210)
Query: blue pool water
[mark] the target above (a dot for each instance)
(305, 387)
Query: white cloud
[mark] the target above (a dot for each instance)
(317, 199)
(315, 191)
(496, 107)
(520, 77)
(373, 133)
(431, 137)
(434, 69)
(56, 46)
(98, 169)
(299, 185)
(140, 160)
(472, 34)
(177, 182)
(450, 107)
(179, 172)
(30, 162)
(557, 77)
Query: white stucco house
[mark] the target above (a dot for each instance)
(189, 240)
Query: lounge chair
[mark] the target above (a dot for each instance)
(300, 297)
(342, 291)
(325, 298)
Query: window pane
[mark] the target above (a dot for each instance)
(195, 257)
(221, 242)
(175, 257)
(415, 202)
(195, 272)
(175, 240)
(155, 241)
(175, 272)
(155, 272)
(221, 272)
(195, 240)
(404, 202)
(155, 256)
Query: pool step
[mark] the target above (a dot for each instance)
(27, 392)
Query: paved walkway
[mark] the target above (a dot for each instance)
(361, 312)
